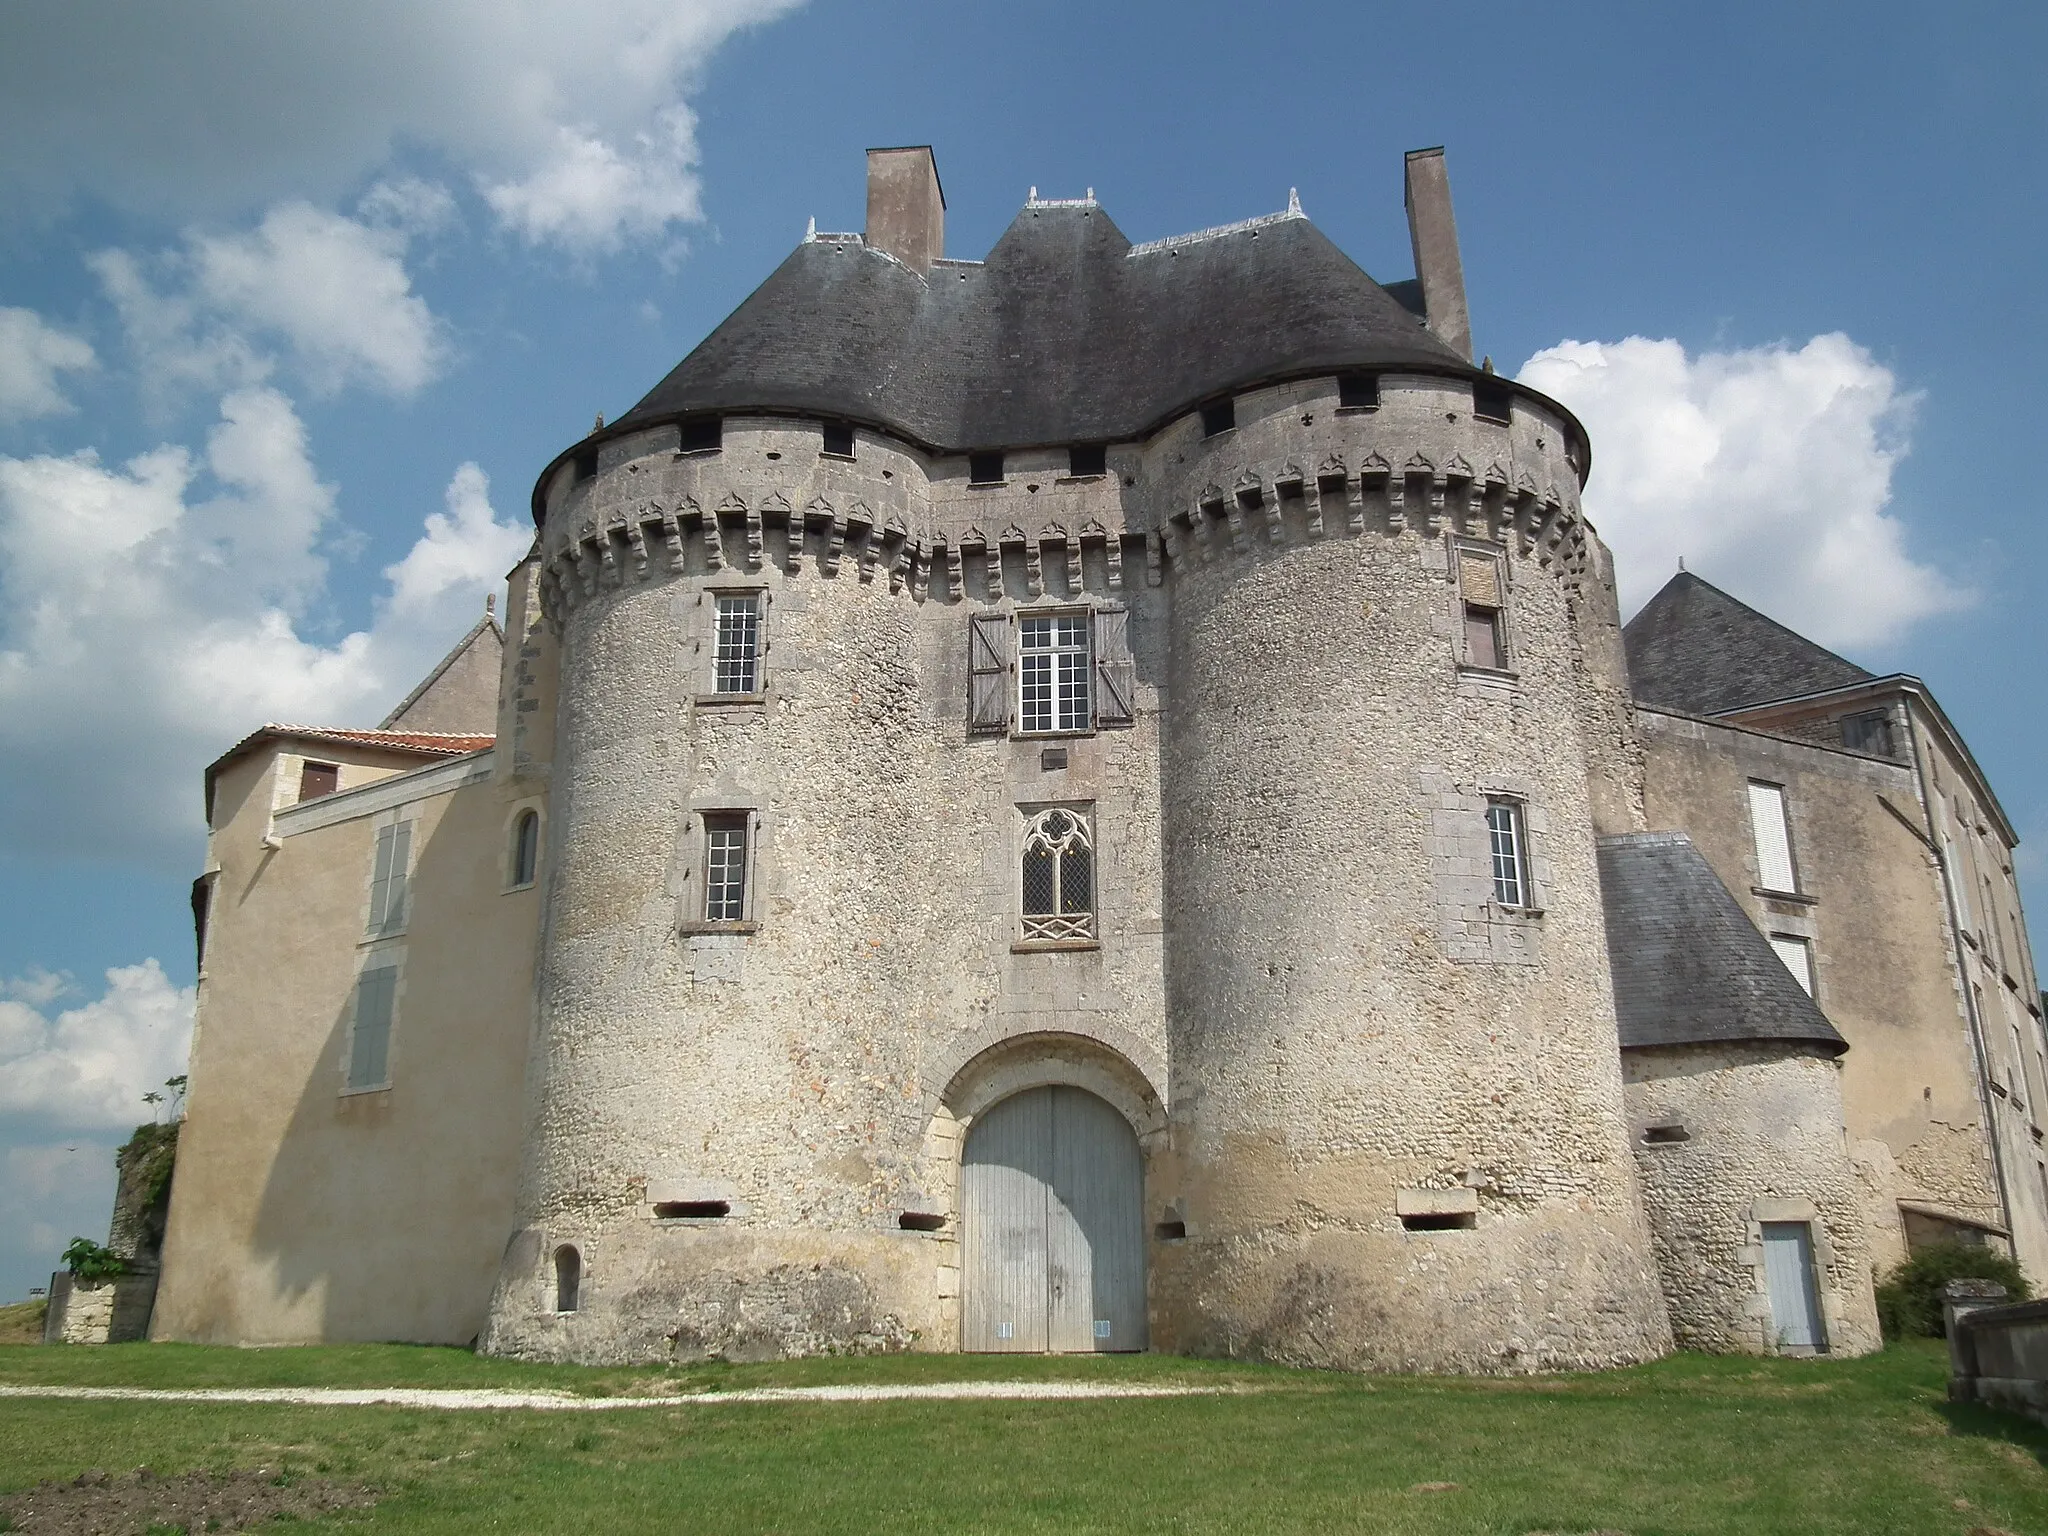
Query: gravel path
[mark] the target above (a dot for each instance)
(443, 1397)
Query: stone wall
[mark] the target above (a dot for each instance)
(1295, 635)
(1728, 1137)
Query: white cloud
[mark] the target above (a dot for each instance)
(410, 204)
(218, 106)
(1768, 470)
(123, 675)
(331, 291)
(88, 1067)
(32, 353)
(51, 1192)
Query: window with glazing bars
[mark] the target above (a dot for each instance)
(1509, 847)
(1053, 667)
(725, 867)
(736, 658)
(1059, 877)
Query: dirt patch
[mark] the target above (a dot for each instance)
(133, 1503)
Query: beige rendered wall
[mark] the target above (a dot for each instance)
(1873, 911)
(303, 1212)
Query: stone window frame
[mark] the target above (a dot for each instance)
(1517, 819)
(379, 926)
(1473, 926)
(1086, 935)
(1507, 653)
(383, 956)
(713, 597)
(696, 892)
(995, 671)
(1086, 650)
(515, 816)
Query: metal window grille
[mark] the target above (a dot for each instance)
(1510, 867)
(1059, 878)
(736, 662)
(725, 869)
(1053, 673)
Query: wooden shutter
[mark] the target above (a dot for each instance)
(1116, 675)
(988, 672)
(1773, 840)
(395, 912)
(1479, 579)
(380, 880)
(369, 1054)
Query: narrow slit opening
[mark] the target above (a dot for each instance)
(681, 1210)
(1664, 1135)
(1170, 1231)
(920, 1221)
(1440, 1221)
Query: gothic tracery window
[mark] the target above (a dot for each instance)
(1059, 877)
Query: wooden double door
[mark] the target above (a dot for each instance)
(1052, 1232)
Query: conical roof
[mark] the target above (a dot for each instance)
(1066, 333)
(1690, 968)
(1695, 649)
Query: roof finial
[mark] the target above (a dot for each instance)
(1032, 200)
(811, 228)
(1681, 565)
(490, 605)
(600, 422)
(1294, 201)
(1091, 194)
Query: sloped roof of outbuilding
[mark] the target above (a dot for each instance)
(1690, 968)
(1695, 649)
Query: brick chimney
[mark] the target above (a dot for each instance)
(907, 207)
(1433, 233)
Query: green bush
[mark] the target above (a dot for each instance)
(1909, 1298)
(90, 1262)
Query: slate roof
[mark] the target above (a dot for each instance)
(1067, 333)
(1690, 968)
(1695, 649)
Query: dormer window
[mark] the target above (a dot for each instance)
(838, 440)
(1493, 402)
(1087, 459)
(985, 468)
(701, 434)
(1358, 392)
(1218, 416)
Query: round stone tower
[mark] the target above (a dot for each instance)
(1397, 1130)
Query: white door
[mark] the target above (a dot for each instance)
(1788, 1272)
(1052, 1227)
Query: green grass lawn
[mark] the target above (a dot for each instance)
(1688, 1445)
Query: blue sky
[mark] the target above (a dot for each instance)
(278, 285)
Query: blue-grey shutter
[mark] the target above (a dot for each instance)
(988, 672)
(380, 880)
(369, 1056)
(1116, 674)
(399, 890)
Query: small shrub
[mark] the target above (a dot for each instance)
(92, 1263)
(1909, 1299)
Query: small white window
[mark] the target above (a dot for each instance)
(1773, 838)
(389, 879)
(736, 653)
(1797, 954)
(1053, 672)
(1508, 843)
(525, 848)
(1059, 877)
(725, 867)
(369, 1045)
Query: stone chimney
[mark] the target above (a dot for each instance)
(907, 207)
(1434, 234)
